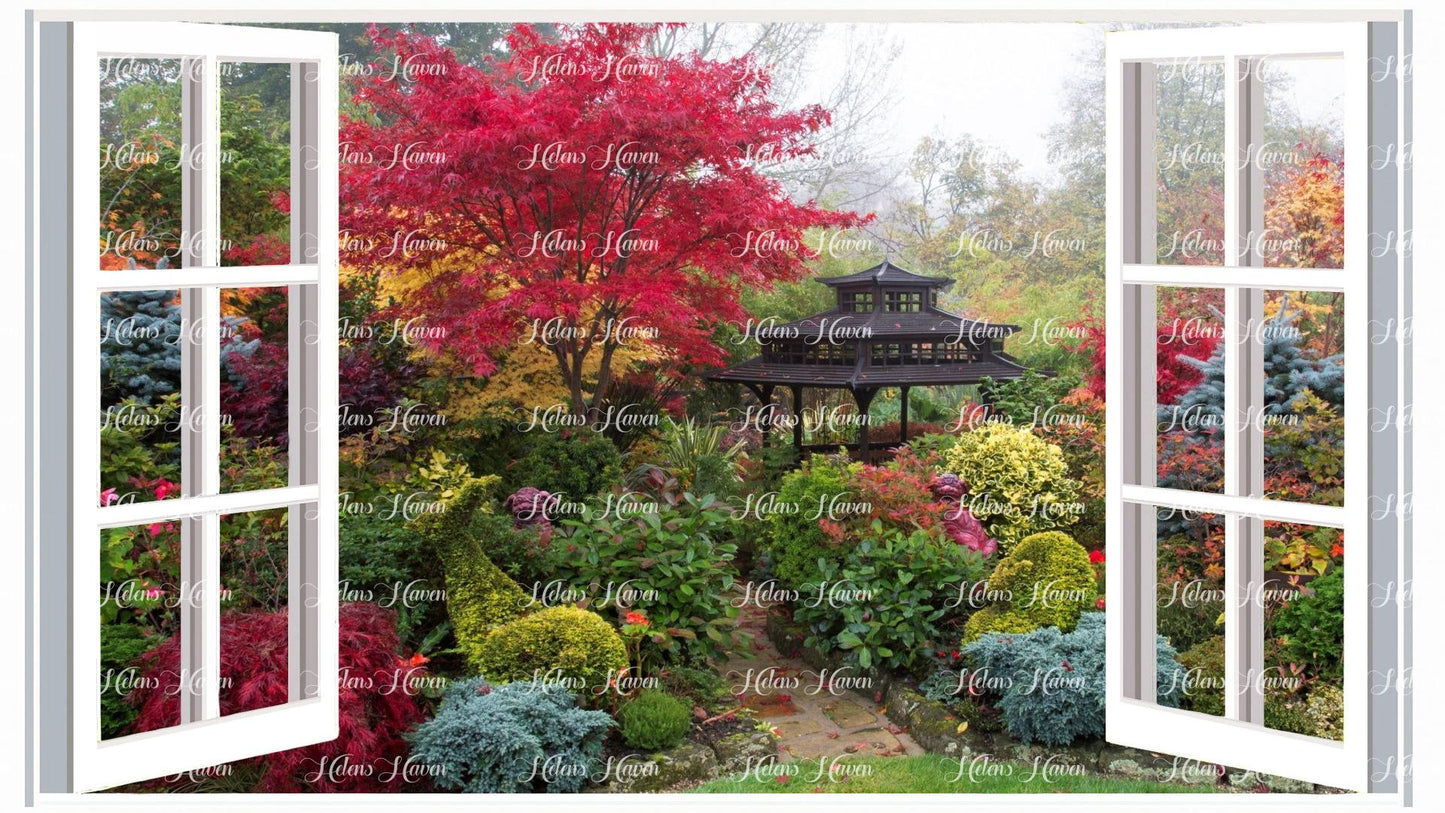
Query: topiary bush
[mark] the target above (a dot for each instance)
(580, 645)
(1018, 483)
(1311, 628)
(480, 597)
(654, 720)
(1055, 680)
(573, 463)
(518, 738)
(797, 540)
(1047, 581)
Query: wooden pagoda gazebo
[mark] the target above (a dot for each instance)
(886, 330)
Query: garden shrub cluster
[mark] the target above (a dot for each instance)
(572, 462)
(654, 720)
(1020, 483)
(1310, 625)
(580, 645)
(1055, 680)
(493, 739)
(798, 540)
(1047, 580)
(884, 599)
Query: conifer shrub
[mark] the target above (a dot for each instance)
(654, 720)
(519, 738)
(1046, 581)
(583, 649)
(1018, 483)
(1054, 681)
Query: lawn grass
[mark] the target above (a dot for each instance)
(930, 774)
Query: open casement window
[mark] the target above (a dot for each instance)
(1228, 505)
(234, 250)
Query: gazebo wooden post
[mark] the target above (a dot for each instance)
(797, 419)
(863, 397)
(903, 417)
(764, 394)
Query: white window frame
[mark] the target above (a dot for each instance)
(72, 757)
(1372, 280)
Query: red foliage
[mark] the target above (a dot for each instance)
(1186, 328)
(529, 169)
(374, 715)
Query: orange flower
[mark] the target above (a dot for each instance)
(636, 618)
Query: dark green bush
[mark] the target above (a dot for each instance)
(654, 720)
(1311, 628)
(384, 560)
(884, 599)
(573, 463)
(120, 645)
(1203, 690)
(1045, 581)
(1184, 625)
(581, 646)
(515, 550)
(796, 541)
(497, 739)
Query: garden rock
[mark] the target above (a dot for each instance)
(737, 752)
(688, 763)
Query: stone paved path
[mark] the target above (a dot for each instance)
(813, 719)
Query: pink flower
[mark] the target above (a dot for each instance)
(155, 529)
(1100, 603)
(164, 489)
(108, 496)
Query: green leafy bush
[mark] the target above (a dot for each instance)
(664, 558)
(1203, 690)
(517, 551)
(120, 646)
(1018, 483)
(703, 687)
(1186, 623)
(1046, 581)
(581, 646)
(575, 463)
(383, 559)
(654, 720)
(1311, 627)
(480, 597)
(1054, 681)
(797, 541)
(497, 739)
(884, 598)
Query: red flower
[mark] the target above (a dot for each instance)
(164, 489)
(417, 660)
(1100, 603)
(1096, 557)
(636, 618)
(1337, 550)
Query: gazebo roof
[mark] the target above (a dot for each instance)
(756, 371)
(935, 325)
(886, 273)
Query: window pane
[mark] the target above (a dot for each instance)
(1190, 610)
(1303, 600)
(141, 597)
(140, 408)
(1189, 169)
(1302, 161)
(255, 404)
(142, 152)
(1304, 410)
(255, 163)
(255, 556)
(1189, 388)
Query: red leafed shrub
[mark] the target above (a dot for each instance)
(375, 713)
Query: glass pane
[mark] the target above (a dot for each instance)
(255, 163)
(255, 405)
(140, 408)
(142, 152)
(140, 602)
(1189, 388)
(1189, 155)
(255, 555)
(1302, 161)
(1190, 610)
(1304, 410)
(1303, 598)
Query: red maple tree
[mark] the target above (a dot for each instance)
(583, 181)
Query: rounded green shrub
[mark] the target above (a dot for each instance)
(654, 720)
(1204, 677)
(1046, 581)
(574, 463)
(566, 644)
(1018, 483)
(796, 541)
